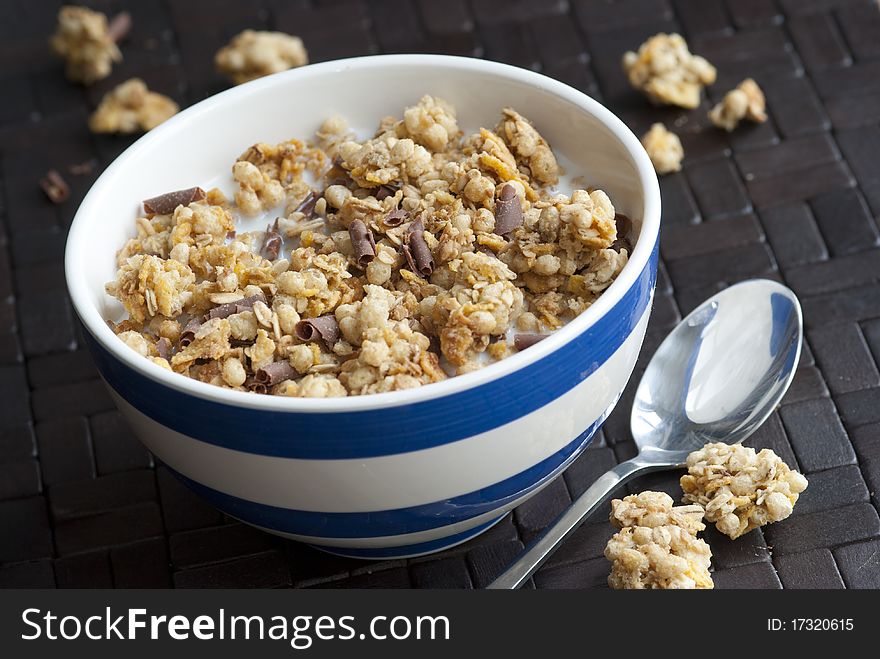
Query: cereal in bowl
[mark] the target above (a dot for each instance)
(347, 266)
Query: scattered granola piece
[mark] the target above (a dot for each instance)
(55, 187)
(83, 40)
(130, 108)
(660, 557)
(740, 489)
(664, 148)
(666, 71)
(253, 54)
(746, 101)
(654, 509)
(431, 123)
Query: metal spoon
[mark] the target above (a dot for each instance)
(715, 378)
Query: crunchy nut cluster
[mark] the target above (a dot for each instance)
(83, 40)
(253, 54)
(657, 546)
(420, 254)
(131, 107)
(740, 489)
(666, 71)
(664, 148)
(746, 101)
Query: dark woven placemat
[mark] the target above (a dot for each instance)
(796, 199)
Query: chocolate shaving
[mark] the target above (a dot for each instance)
(163, 347)
(396, 217)
(386, 190)
(363, 243)
(508, 211)
(307, 205)
(119, 26)
(166, 203)
(275, 372)
(418, 254)
(273, 241)
(188, 334)
(624, 233)
(55, 187)
(253, 385)
(230, 308)
(523, 341)
(324, 327)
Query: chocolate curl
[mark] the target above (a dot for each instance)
(272, 243)
(253, 385)
(55, 187)
(418, 254)
(188, 334)
(526, 340)
(163, 347)
(395, 218)
(508, 211)
(324, 327)
(307, 205)
(523, 341)
(166, 203)
(624, 231)
(119, 26)
(244, 304)
(386, 190)
(274, 373)
(363, 243)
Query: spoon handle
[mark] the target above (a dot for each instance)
(564, 525)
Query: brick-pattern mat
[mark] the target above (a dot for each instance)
(796, 199)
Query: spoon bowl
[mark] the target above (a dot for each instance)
(721, 372)
(717, 377)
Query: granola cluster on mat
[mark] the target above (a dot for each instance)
(739, 488)
(667, 73)
(420, 253)
(657, 545)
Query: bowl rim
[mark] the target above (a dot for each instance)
(96, 326)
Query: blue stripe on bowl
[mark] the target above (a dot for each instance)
(401, 520)
(390, 430)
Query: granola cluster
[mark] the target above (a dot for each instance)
(746, 101)
(131, 107)
(84, 41)
(386, 263)
(253, 54)
(664, 148)
(657, 545)
(739, 488)
(666, 71)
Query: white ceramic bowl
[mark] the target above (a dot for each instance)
(398, 473)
